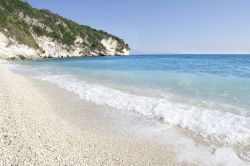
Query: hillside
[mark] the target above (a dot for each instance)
(29, 33)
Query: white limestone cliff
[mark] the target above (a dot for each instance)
(111, 46)
(10, 49)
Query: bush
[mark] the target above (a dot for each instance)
(3, 21)
(68, 39)
(20, 31)
(39, 31)
(55, 35)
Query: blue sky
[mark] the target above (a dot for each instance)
(164, 26)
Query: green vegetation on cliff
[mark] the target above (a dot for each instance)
(21, 20)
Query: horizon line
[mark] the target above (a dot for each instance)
(190, 54)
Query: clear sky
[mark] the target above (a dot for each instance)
(164, 26)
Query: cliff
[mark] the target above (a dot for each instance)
(29, 33)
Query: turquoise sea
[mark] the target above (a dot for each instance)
(206, 94)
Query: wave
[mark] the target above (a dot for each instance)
(214, 124)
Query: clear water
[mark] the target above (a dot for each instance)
(223, 79)
(207, 94)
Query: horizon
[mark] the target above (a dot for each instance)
(162, 27)
(176, 53)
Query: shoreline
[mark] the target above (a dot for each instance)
(100, 135)
(33, 133)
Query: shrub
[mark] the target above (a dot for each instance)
(68, 39)
(39, 31)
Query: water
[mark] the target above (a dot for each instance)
(206, 94)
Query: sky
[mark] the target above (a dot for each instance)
(164, 26)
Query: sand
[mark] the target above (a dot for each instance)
(37, 128)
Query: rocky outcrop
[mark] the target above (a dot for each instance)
(111, 46)
(29, 33)
(10, 49)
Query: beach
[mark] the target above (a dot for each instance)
(33, 132)
(165, 84)
(89, 111)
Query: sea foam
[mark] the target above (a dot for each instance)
(214, 124)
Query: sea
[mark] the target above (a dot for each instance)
(208, 95)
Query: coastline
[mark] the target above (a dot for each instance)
(33, 132)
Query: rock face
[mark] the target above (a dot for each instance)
(10, 49)
(29, 33)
